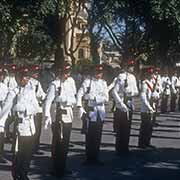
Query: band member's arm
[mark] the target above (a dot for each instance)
(81, 92)
(49, 99)
(106, 93)
(119, 101)
(40, 93)
(111, 86)
(74, 90)
(7, 106)
(134, 87)
(162, 84)
(144, 96)
(173, 80)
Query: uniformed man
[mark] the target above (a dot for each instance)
(166, 91)
(96, 91)
(62, 92)
(123, 93)
(11, 83)
(22, 101)
(3, 94)
(175, 85)
(156, 81)
(40, 95)
(86, 74)
(148, 97)
(111, 86)
(10, 79)
(179, 93)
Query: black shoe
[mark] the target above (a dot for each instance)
(2, 160)
(83, 131)
(57, 175)
(87, 163)
(155, 124)
(122, 151)
(98, 163)
(93, 163)
(151, 146)
(68, 172)
(142, 146)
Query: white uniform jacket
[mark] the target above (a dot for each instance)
(36, 85)
(97, 97)
(166, 85)
(111, 86)
(156, 80)
(3, 94)
(175, 84)
(39, 93)
(120, 91)
(147, 95)
(22, 102)
(66, 98)
(10, 82)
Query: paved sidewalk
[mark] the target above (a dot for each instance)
(162, 163)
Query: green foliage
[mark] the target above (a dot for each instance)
(143, 27)
(31, 29)
(26, 28)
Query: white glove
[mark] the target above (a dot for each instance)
(151, 110)
(155, 95)
(174, 91)
(81, 111)
(48, 122)
(124, 108)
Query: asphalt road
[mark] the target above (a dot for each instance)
(162, 163)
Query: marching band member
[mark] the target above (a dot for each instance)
(22, 102)
(156, 81)
(166, 91)
(62, 92)
(3, 94)
(175, 85)
(40, 95)
(11, 83)
(96, 91)
(123, 93)
(148, 98)
(10, 79)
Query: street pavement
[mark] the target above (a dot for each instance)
(162, 163)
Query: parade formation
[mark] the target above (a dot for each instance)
(25, 104)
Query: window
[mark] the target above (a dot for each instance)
(81, 54)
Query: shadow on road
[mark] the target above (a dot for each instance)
(156, 164)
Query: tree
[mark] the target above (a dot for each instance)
(143, 28)
(73, 29)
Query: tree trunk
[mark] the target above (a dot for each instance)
(93, 48)
(59, 52)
